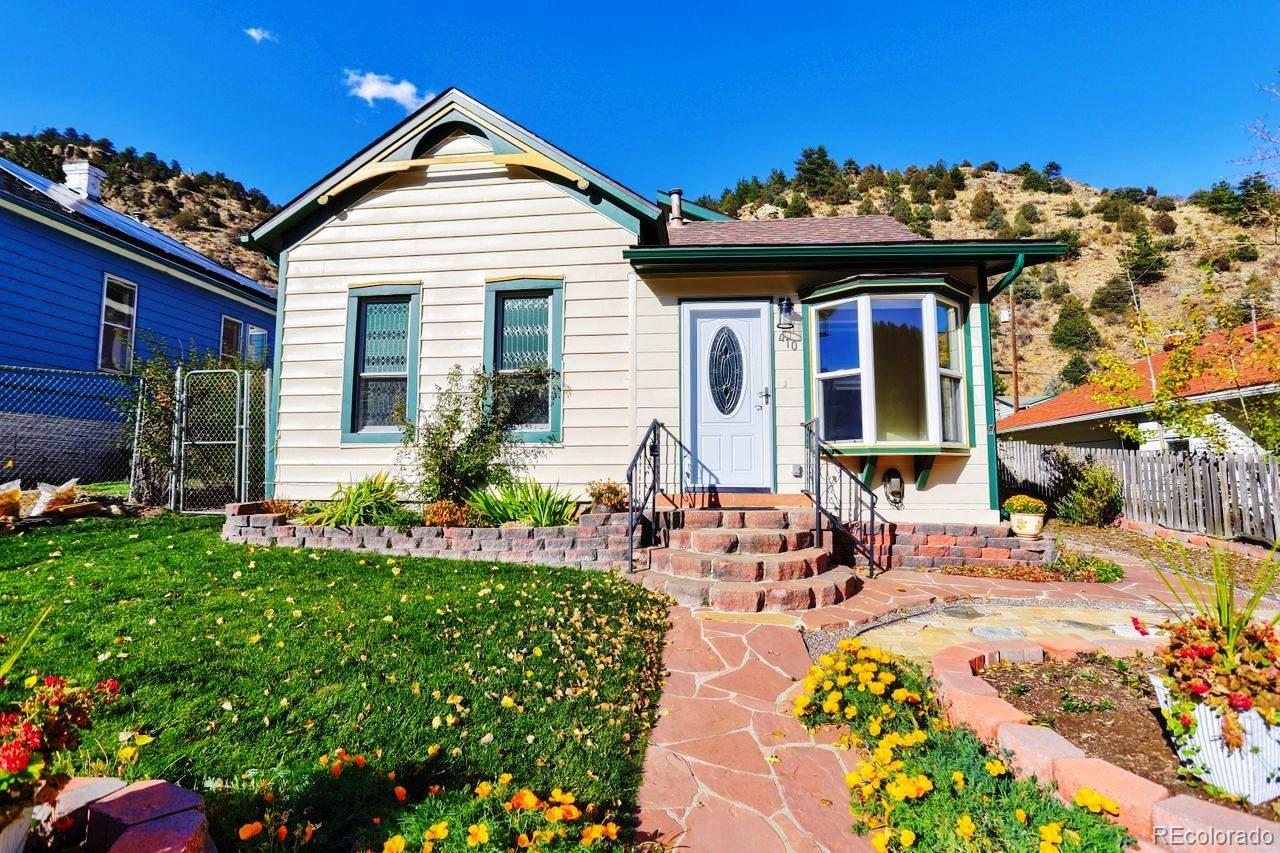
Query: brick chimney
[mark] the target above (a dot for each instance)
(83, 178)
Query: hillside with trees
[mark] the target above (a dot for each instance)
(207, 211)
(1124, 241)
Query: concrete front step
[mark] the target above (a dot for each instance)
(822, 590)
(789, 565)
(743, 540)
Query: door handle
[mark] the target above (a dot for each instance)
(765, 395)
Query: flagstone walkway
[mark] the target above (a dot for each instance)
(728, 769)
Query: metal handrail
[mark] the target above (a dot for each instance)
(838, 494)
(646, 480)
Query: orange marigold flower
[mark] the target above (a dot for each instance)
(282, 833)
(483, 790)
(522, 841)
(394, 844)
(360, 761)
(401, 793)
(524, 800)
(251, 830)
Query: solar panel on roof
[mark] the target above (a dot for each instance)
(126, 225)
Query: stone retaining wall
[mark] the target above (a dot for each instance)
(1147, 809)
(597, 541)
(935, 546)
(1195, 540)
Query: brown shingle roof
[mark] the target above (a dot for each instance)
(792, 232)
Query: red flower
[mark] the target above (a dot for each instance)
(14, 757)
(54, 681)
(1199, 687)
(1139, 627)
(1206, 651)
(1240, 701)
(109, 690)
(1186, 720)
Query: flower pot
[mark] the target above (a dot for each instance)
(1252, 772)
(1026, 525)
(13, 835)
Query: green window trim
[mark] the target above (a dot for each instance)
(494, 291)
(352, 347)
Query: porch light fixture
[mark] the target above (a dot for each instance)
(893, 487)
(785, 323)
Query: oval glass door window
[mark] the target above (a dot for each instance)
(724, 370)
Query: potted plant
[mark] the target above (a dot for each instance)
(35, 739)
(1219, 691)
(1026, 516)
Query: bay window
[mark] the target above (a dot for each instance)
(888, 370)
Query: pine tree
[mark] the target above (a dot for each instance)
(1142, 260)
(816, 173)
(984, 202)
(946, 189)
(1074, 331)
(1075, 372)
(797, 207)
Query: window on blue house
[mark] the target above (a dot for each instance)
(258, 342)
(231, 341)
(119, 317)
(382, 363)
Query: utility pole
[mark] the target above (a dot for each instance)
(1013, 332)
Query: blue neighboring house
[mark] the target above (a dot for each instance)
(86, 288)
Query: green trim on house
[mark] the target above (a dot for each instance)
(923, 466)
(696, 212)
(868, 472)
(555, 342)
(988, 367)
(413, 367)
(1009, 277)
(946, 286)
(1000, 255)
(277, 358)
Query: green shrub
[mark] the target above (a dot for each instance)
(1244, 250)
(1164, 204)
(1054, 291)
(1029, 212)
(463, 441)
(1074, 210)
(1085, 568)
(1163, 224)
(1026, 290)
(527, 502)
(1096, 498)
(1114, 297)
(982, 205)
(1073, 330)
(1075, 372)
(797, 207)
(375, 500)
(1142, 259)
(1074, 240)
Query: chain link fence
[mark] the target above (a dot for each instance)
(56, 425)
(193, 441)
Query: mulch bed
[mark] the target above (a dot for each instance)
(1145, 547)
(1106, 707)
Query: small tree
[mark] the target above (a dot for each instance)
(983, 203)
(1113, 297)
(1142, 260)
(1029, 212)
(798, 206)
(946, 188)
(1163, 223)
(1075, 372)
(1073, 331)
(1074, 210)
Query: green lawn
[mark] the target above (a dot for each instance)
(247, 666)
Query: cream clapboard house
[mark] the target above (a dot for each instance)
(461, 238)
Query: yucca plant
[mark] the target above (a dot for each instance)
(373, 500)
(526, 502)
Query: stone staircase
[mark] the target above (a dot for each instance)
(746, 559)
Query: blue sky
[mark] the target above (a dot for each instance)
(685, 94)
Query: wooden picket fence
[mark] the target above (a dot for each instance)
(1230, 496)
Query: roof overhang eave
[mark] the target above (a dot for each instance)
(998, 256)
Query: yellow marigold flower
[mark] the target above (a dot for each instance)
(1046, 847)
(958, 778)
(524, 800)
(558, 796)
(996, 767)
(876, 687)
(394, 844)
(505, 779)
(477, 834)
(1021, 815)
(554, 814)
(850, 711)
(880, 841)
(437, 831)
(483, 790)
(906, 838)
(965, 827)
(1095, 802)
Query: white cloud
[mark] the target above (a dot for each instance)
(371, 87)
(259, 35)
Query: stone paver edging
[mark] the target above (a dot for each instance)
(1147, 809)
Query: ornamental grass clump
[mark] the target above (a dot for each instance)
(526, 502)
(927, 786)
(375, 500)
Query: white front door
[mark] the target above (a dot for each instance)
(727, 412)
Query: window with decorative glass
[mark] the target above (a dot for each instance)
(382, 363)
(522, 324)
(878, 380)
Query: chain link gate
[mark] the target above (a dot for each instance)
(219, 439)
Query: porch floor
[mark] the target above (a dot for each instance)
(729, 768)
